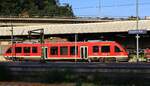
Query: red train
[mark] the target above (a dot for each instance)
(68, 51)
(147, 54)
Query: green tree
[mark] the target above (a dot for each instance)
(33, 8)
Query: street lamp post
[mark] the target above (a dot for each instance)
(137, 27)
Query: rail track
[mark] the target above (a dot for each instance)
(111, 70)
(79, 66)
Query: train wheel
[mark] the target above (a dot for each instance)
(101, 59)
(14, 59)
(42, 61)
(105, 60)
(108, 60)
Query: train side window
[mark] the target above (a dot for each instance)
(54, 50)
(18, 49)
(9, 50)
(64, 50)
(72, 50)
(95, 49)
(26, 49)
(105, 49)
(34, 49)
(117, 49)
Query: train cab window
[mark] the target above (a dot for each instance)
(34, 49)
(26, 49)
(117, 49)
(18, 49)
(9, 50)
(95, 49)
(105, 49)
(64, 50)
(54, 50)
(72, 50)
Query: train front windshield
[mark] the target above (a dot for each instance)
(9, 50)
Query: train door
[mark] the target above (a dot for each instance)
(45, 52)
(84, 52)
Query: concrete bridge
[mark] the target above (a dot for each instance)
(64, 26)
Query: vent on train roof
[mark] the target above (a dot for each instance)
(99, 41)
(94, 40)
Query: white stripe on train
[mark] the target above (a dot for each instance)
(66, 57)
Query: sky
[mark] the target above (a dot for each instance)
(108, 8)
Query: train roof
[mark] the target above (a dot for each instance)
(94, 41)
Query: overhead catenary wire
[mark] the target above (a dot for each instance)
(105, 6)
